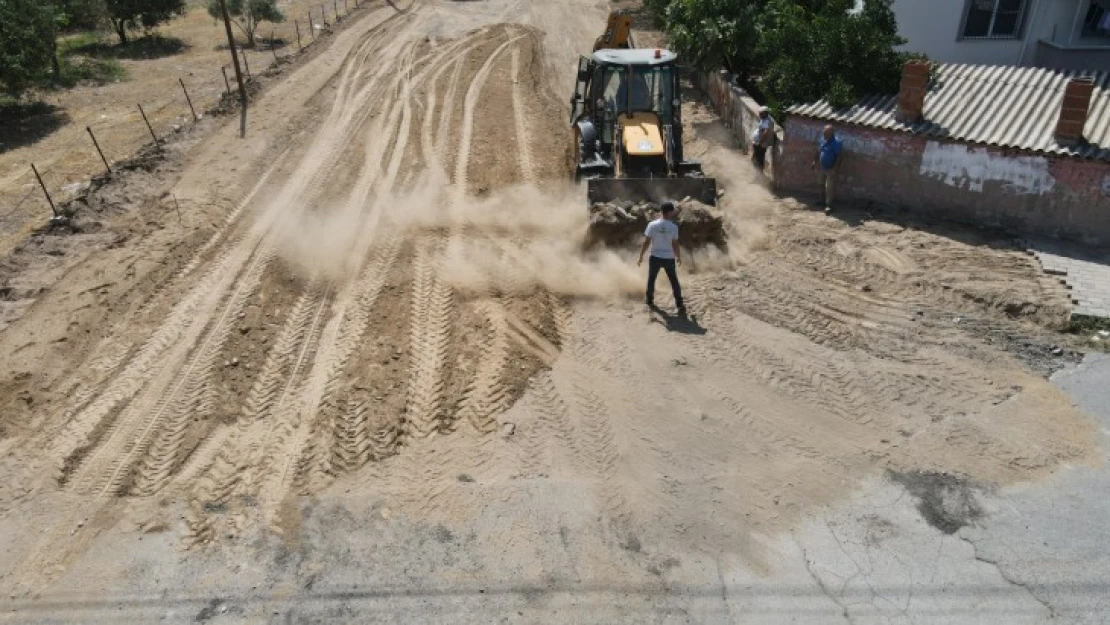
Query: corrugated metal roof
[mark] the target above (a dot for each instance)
(998, 105)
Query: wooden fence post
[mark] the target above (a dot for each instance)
(43, 185)
(98, 150)
(149, 127)
(188, 99)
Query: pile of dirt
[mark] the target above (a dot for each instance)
(616, 224)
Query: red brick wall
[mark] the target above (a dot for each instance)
(1009, 189)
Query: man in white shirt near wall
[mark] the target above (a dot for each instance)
(662, 237)
(763, 138)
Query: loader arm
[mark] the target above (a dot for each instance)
(618, 33)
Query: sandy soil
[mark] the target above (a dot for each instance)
(359, 357)
(65, 155)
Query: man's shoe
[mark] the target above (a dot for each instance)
(828, 210)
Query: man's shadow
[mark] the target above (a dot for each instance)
(682, 324)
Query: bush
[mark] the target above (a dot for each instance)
(26, 44)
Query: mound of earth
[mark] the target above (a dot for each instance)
(617, 224)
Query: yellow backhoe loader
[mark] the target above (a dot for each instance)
(626, 123)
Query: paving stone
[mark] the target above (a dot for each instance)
(1087, 279)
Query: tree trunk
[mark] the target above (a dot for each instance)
(121, 30)
(56, 65)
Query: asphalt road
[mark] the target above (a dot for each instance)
(931, 549)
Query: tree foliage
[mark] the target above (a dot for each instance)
(27, 31)
(248, 14)
(127, 15)
(714, 33)
(80, 14)
(792, 50)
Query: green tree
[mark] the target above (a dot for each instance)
(80, 14)
(128, 15)
(829, 51)
(712, 34)
(792, 50)
(248, 14)
(27, 33)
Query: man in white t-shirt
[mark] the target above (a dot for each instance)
(662, 237)
(763, 138)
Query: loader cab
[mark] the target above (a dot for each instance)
(615, 82)
(626, 112)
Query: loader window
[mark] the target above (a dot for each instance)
(642, 89)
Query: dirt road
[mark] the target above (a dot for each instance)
(382, 379)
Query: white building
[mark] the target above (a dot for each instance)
(1066, 34)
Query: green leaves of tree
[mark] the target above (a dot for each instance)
(128, 15)
(248, 14)
(26, 43)
(793, 50)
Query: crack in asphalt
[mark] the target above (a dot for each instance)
(821, 584)
(975, 553)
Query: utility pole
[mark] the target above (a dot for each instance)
(238, 72)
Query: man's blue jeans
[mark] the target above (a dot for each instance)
(667, 265)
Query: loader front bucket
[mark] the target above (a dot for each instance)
(654, 190)
(621, 208)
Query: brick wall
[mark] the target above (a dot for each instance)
(1013, 190)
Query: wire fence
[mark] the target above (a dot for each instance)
(89, 150)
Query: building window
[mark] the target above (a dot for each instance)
(1097, 21)
(994, 19)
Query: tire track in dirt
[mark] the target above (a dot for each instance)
(103, 471)
(340, 435)
(486, 396)
(318, 160)
(523, 139)
(232, 218)
(284, 460)
(470, 103)
(219, 480)
(429, 337)
(148, 369)
(327, 367)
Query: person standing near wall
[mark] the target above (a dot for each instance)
(827, 161)
(763, 138)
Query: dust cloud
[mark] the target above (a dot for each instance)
(520, 238)
(512, 240)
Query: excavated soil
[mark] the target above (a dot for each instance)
(359, 360)
(616, 223)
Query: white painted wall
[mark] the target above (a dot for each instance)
(968, 168)
(933, 27)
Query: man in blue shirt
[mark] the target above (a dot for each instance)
(827, 162)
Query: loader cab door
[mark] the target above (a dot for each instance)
(581, 88)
